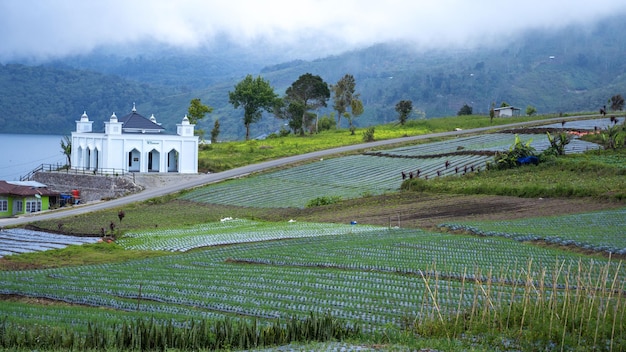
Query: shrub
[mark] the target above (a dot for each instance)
(517, 150)
(368, 135)
(324, 200)
(465, 110)
(326, 123)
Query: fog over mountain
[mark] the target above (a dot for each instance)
(60, 58)
(305, 29)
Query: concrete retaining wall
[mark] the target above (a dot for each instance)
(91, 187)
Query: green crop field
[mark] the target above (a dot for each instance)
(603, 231)
(374, 277)
(490, 288)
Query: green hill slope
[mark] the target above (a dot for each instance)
(573, 69)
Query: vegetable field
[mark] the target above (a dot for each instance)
(373, 278)
(587, 124)
(599, 231)
(346, 177)
(493, 142)
(230, 231)
(15, 241)
(372, 173)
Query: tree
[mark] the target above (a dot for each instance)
(530, 110)
(326, 123)
(66, 149)
(310, 92)
(254, 95)
(404, 107)
(504, 104)
(196, 112)
(356, 106)
(291, 112)
(465, 110)
(557, 143)
(215, 131)
(343, 93)
(617, 102)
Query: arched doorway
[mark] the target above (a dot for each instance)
(154, 158)
(172, 161)
(96, 159)
(88, 160)
(80, 157)
(134, 161)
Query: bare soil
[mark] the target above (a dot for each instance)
(420, 210)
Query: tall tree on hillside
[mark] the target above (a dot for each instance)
(404, 107)
(254, 95)
(291, 111)
(356, 107)
(343, 93)
(309, 91)
(196, 112)
(617, 102)
(66, 149)
(465, 110)
(215, 131)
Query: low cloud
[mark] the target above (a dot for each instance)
(47, 28)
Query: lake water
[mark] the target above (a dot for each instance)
(21, 153)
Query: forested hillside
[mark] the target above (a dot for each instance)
(574, 69)
(48, 100)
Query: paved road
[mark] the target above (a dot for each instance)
(241, 171)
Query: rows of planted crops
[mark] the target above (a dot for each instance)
(590, 124)
(375, 278)
(599, 231)
(16, 241)
(370, 174)
(345, 177)
(230, 231)
(493, 142)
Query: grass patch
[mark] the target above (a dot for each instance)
(159, 213)
(571, 176)
(74, 255)
(227, 155)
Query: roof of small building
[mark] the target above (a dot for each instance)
(13, 189)
(506, 108)
(28, 183)
(138, 122)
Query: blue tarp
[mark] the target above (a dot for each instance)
(528, 160)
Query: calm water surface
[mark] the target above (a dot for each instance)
(21, 153)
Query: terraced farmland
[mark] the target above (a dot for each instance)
(373, 278)
(372, 173)
(346, 177)
(603, 231)
(16, 241)
(493, 142)
(230, 231)
(586, 124)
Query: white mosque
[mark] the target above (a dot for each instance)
(134, 143)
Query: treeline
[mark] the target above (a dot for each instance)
(49, 100)
(566, 70)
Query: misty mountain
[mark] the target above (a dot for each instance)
(574, 69)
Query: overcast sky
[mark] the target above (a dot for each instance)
(53, 28)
